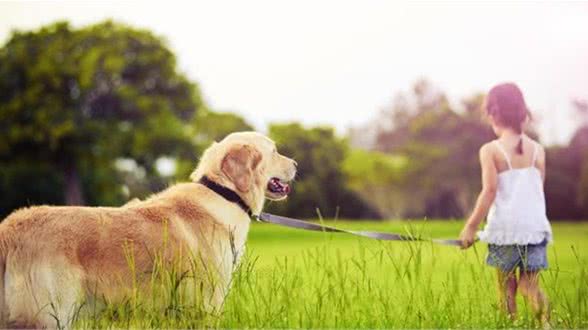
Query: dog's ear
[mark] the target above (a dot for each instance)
(239, 165)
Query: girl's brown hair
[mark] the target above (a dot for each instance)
(506, 105)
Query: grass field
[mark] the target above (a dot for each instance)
(299, 279)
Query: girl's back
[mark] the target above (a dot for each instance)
(517, 215)
(505, 152)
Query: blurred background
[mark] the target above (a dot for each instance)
(379, 102)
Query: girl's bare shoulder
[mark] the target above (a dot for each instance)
(488, 150)
(540, 156)
(536, 144)
(489, 147)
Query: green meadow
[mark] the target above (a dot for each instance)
(299, 279)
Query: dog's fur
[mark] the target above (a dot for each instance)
(51, 258)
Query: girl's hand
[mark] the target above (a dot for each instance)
(467, 236)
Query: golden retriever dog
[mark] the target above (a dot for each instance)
(53, 257)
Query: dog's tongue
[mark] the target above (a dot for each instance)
(276, 185)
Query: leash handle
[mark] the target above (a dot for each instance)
(299, 224)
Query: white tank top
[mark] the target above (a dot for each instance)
(517, 215)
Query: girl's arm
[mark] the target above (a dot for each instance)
(485, 199)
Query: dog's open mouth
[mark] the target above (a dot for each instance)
(278, 188)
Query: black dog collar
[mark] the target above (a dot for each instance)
(226, 193)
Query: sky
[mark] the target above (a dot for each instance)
(341, 62)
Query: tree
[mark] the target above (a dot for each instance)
(566, 182)
(561, 182)
(378, 178)
(74, 100)
(579, 147)
(214, 126)
(441, 176)
(210, 126)
(321, 183)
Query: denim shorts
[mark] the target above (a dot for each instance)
(531, 258)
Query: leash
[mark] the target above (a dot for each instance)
(232, 196)
(300, 224)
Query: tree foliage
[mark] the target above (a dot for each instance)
(441, 145)
(566, 182)
(377, 178)
(74, 100)
(441, 178)
(87, 114)
(210, 126)
(321, 183)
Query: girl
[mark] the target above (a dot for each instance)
(517, 229)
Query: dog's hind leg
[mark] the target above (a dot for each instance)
(64, 293)
(46, 295)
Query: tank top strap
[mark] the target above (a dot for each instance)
(535, 154)
(503, 153)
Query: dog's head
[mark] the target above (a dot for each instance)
(249, 164)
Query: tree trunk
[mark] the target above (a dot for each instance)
(73, 185)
